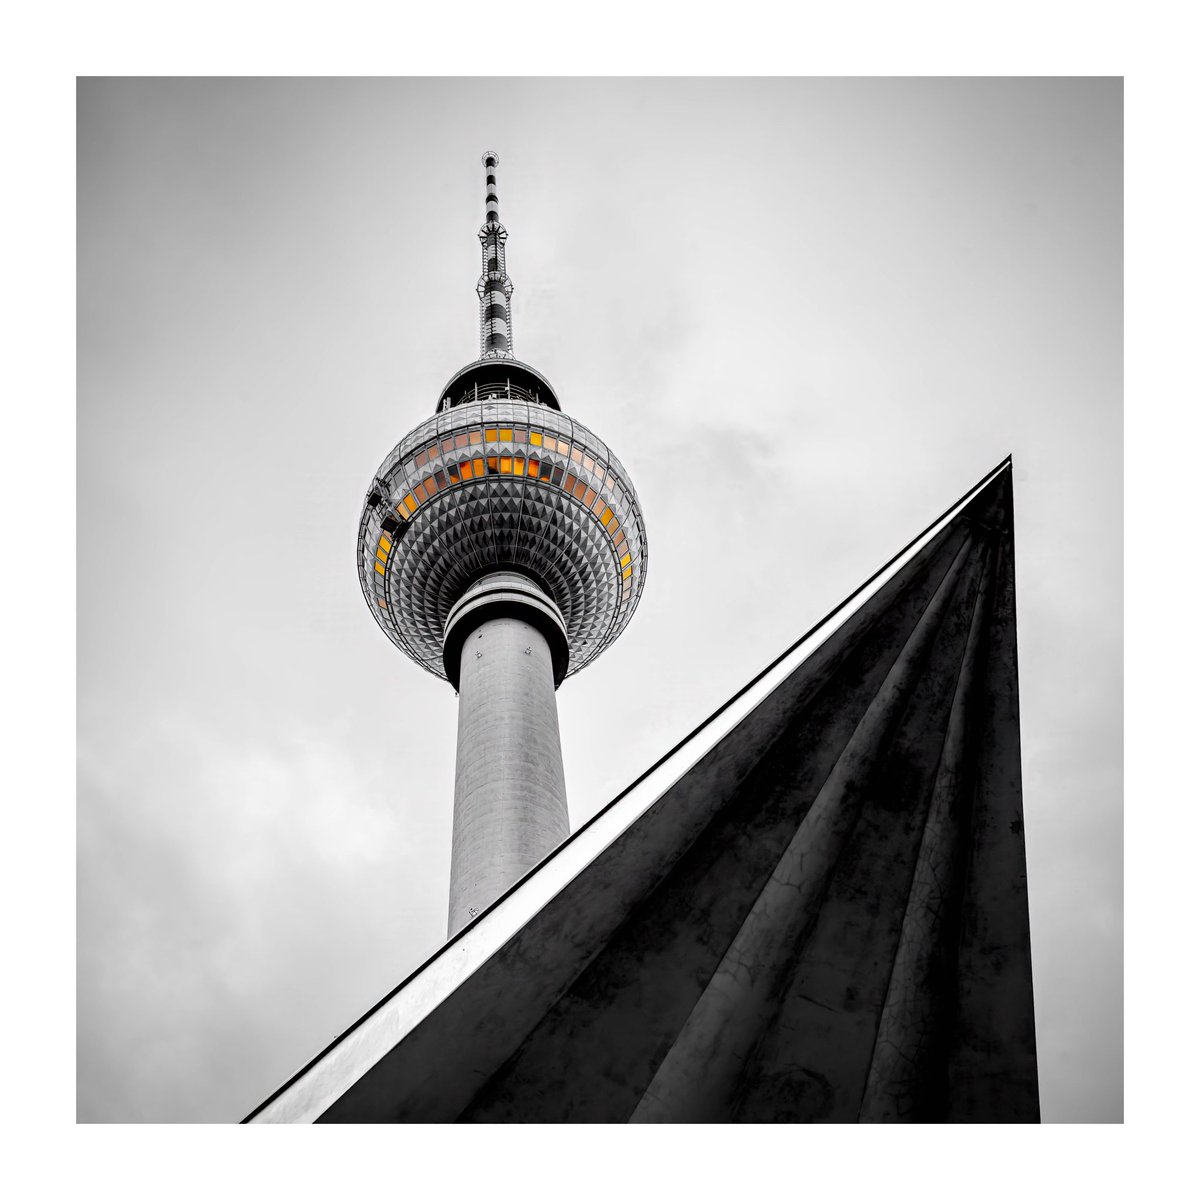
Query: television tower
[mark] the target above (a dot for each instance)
(502, 548)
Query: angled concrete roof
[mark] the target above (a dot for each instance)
(812, 909)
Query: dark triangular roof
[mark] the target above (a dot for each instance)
(823, 917)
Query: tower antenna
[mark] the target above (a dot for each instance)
(494, 287)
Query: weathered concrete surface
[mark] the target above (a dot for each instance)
(510, 798)
(888, 974)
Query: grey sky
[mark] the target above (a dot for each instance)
(806, 314)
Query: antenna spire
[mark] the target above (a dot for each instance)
(494, 287)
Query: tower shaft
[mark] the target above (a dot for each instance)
(510, 802)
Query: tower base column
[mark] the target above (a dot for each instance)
(510, 803)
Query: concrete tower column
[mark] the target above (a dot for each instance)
(505, 651)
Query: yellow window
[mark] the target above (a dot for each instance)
(381, 554)
(478, 467)
(506, 464)
(491, 434)
(535, 437)
(384, 543)
(379, 568)
(518, 466)
(625, 560)
(606, 516)
(410, 502)
(625, 574)
(506, 435)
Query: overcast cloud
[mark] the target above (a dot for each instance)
(806, 314)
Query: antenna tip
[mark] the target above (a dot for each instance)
(490, 158)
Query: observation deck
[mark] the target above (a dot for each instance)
(498, 379)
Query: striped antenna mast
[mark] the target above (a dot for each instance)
(494, 287)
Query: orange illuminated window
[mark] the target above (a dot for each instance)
(625, 560)
(580, 488)
(491, 434)
(505, 463)
(478, 467)
(625, 574)
(535, 438)
(384, 542)
(506, 435)
(410, 502)
(379, 568)
(422, 494)
(569, 482)
(431, 485)
(518, 466)
(606, 516)
(452, 471)
(491, 464)
(533, 468)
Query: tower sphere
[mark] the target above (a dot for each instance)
(501, 483)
